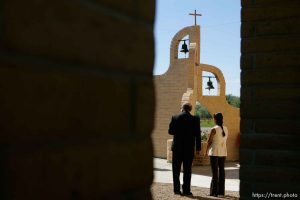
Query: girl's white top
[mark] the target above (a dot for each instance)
(218, 146)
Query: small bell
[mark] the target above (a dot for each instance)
(184, 48)
(209, 85)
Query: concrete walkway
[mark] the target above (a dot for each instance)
(201, 176)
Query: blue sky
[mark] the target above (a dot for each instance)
(220, 34)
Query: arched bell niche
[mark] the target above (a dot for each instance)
(210, 84)
(183, 47)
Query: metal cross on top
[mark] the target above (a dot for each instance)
(195, 15)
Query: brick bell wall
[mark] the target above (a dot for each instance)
(76, 99)
(270, 94)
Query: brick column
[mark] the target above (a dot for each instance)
(76, 99)
(270, 96)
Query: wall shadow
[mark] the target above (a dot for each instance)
(231, 170)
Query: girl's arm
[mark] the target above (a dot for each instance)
(211, 136)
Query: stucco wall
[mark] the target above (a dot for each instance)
(183, 83)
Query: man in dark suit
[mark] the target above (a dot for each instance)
(186, 131)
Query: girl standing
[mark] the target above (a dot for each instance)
(217, 151)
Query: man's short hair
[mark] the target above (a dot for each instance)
(187, 107)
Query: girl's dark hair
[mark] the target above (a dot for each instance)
(219, 121)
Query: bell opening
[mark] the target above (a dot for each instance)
(209, 84)
(183, 47)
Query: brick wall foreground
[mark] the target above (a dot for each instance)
(76, 99)
(270, 94)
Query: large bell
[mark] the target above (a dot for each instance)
(184, 48)
(209, 85)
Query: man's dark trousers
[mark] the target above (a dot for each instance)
(178, 159)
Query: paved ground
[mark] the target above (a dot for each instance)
(164, 191)
(201, 177)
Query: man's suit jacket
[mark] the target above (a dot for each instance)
(186, 131)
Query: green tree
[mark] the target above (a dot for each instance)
(205, 117)
(233, 100)
(202, 112)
